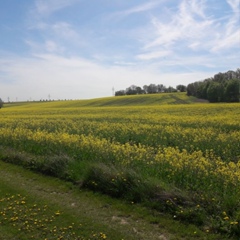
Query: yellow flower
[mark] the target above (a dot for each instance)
(57, 213)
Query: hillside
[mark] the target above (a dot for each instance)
(129, 100)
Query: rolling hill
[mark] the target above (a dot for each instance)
(129, 100)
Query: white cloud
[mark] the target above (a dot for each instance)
(138, 9)
(47, 7)
(153, 55)
(192, 29)
(58, 37)
(227, 35)
(45, 47)
(227, 41)
(194, 7)
(183, 26)
(65, 30)
(194, 45)
(235, 4)
(141, 8)
(51, 46)
(77, 78)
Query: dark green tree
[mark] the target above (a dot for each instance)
(120, 93)
(1, 103)
(152, 88)
(131, 90)
(140, 90)
(215, 92)
(232, 91)
(181, 88)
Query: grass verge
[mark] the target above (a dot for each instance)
(41, 207)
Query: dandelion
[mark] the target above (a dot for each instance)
(57, 213)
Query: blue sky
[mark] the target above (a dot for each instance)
(81, 49)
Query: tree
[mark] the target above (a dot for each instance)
(161, 88)
(232, 91)
(181, 88)
(152, 88)
(215, 92)
(192, 88)
(131, 90)
(120, 93)
(145, 88)
(170, 89)
(140, 90)
(219, 77)
(1, 103)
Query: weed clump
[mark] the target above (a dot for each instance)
(118, 183)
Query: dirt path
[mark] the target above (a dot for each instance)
(81, 204)
(123, 221)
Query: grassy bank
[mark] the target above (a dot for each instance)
(35, 206)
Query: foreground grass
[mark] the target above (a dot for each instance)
(33, 206)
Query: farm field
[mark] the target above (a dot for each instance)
(165, 151)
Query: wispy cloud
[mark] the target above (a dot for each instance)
(193, 29)
(154, 55)
(141, 8)
(227, 41)
(47, 46)
(235, 4)
(56, 37)
(47, 7)
(65, 30)
(227, 35)
(182, 26)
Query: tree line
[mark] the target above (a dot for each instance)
(223, 87)
(150, 89)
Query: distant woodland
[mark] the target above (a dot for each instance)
(222, 87)
(149, 89)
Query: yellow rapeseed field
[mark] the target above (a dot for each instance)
(195, 140)
(195, 147)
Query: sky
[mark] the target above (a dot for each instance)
(84, 49)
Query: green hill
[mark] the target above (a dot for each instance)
(129, 100)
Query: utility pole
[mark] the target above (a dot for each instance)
(113, 91)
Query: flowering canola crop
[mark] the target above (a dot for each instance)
(192, 140)
(194, 147)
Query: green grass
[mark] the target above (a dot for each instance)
(40, 207)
